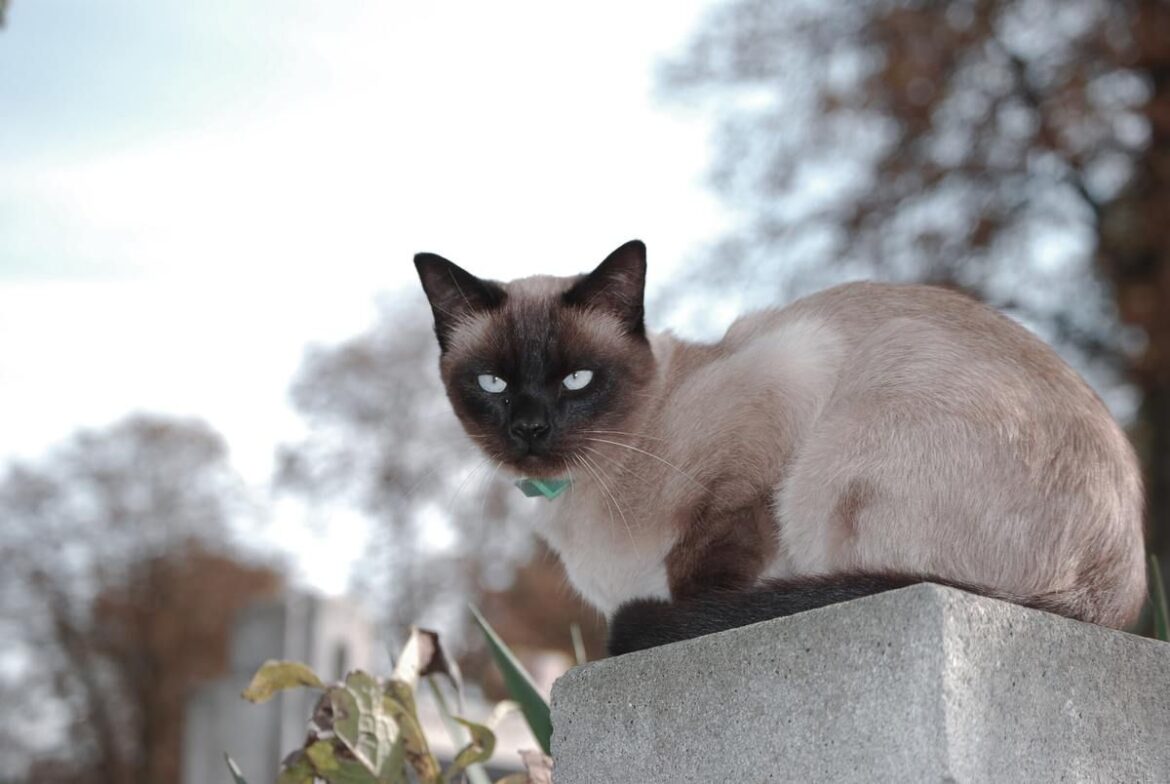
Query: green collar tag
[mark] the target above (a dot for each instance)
(549, 488)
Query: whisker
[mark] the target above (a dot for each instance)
(485, 489)
(431, 471)
(579, 460)
(624, 433)
(418, 482)
(609, 461)
(652, 455)
(629, 531)
(568, 470)
(619, 467)
(458, 490)
(609, 499)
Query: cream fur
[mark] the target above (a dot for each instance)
(903, 429)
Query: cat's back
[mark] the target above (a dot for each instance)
(924, 333)
(856, 310)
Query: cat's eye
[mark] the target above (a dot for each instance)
(493, 384)
(578, 379)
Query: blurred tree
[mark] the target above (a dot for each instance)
(114, 597)
(383, 439)
(1017, 149)
(165, 629)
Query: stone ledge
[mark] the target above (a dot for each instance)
(923, 684)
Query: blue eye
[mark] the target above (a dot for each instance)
(578, 379)
(493, 384)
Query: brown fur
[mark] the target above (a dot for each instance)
(728, 550)
(847, 511)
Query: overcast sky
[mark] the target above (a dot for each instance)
(191, 192)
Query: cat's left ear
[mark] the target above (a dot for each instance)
(618, 286)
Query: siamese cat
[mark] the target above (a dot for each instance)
(867, 437)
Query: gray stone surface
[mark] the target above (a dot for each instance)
(925, 684)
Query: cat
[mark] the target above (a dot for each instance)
(864, 438)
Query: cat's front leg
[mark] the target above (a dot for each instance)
(721, 551)
(717, 555)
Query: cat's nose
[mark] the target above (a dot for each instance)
(529, 429)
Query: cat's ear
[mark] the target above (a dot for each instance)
(454, 293)
(618, 286)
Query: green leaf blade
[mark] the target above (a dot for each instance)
(1158, 596)
(519, 684)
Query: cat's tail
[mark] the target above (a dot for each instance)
(647, 623)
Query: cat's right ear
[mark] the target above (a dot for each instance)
(454, 293)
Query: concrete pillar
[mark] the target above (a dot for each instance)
(924, 684)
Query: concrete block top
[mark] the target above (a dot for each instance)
(922, 684)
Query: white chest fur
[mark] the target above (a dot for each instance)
(606, 562)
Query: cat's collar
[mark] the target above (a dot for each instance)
(549, 488)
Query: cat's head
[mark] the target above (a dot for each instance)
(533, 365)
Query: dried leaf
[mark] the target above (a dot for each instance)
(322, 718)
(296, 768)
(403, 694)
(502, 709)
(423, 655)
(364, 731)
(414, 742)
(480, 749)
(334, 768)
(275, 676)
(539, 766)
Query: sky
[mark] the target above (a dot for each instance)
(192, 192)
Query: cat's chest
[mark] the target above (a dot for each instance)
(609, 559)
